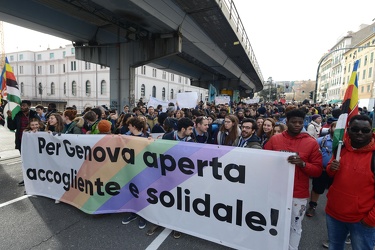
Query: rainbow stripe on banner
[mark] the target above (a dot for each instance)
(224, 194)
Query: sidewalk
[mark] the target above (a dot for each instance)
(7, 150)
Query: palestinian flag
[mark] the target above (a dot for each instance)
(11, 87)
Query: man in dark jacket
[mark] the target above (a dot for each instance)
(183, 132)
(51, 108)
(248, 137)
(20, 122)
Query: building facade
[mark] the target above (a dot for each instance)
(54, 75)
(336, 67)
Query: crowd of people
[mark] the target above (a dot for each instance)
(301, 128)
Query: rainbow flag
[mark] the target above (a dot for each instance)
(10, 87)
(349, 108)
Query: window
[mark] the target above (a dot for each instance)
(64, 54)
(72, 51)
(88, 88)
(39, 70)
(179, 79)
(52, 69)
(364, 64)
(368, 88)
(64, 68)
(143, 70)
(40, 89)
(154, 72)
(362, 89)
(51, 55)
(21, 69)
(163, 94)
(358, 74)
(74, 88)
(370, 72)
(39, 57)
(153, 91)
(364, 74)
(164, 76)
(103, 87)
(22, 89)
(64, 88)
(87, 65)
(171, 97)
(372, 57)
(52, 88)
(20, 57)
(172, 77)
(143, 90)
(11, 58)
(73, 66)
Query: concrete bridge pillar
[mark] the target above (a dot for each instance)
(124, 58)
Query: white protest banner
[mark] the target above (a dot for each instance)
(187, 99)
(155, 102)
(222, 99)
(251, 101)
(237, 197)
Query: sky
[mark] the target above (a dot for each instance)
(288, 37)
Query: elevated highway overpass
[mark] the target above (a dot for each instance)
(203, 40)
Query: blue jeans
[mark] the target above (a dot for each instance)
(362, 237)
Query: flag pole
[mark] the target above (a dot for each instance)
(339, 151)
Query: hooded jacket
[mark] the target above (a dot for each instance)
(351, 195)
(308, 149)
(73, 127)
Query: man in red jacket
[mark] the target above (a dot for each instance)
(307, 161)
(351, 204)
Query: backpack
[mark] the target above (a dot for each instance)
(307, 121)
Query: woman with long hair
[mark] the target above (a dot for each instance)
(55, 123)
(121, 127)
(265, 132)
(70, 126)
(229, 131)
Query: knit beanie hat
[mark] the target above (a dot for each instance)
(314, 117)
(104, 127)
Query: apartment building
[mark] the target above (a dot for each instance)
(336, 66)
(54, 75)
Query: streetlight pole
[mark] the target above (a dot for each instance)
(325, 56)
(269, 87)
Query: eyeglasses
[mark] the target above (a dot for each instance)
(246, 127)
(357, 129)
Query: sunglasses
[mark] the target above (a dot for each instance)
(199, 119)
(363, 130)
